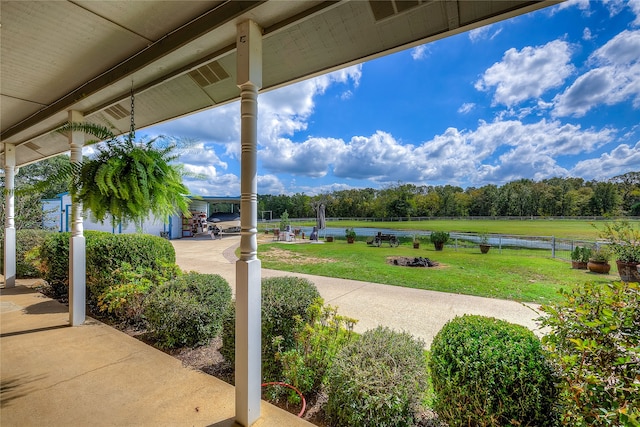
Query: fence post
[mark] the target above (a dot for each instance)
(553, 246)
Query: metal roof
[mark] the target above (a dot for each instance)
(180, 56)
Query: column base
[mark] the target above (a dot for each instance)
(248, 341)
(9, 257)
(77, 281)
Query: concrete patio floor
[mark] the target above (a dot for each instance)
(93, 375)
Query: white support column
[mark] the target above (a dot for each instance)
(248, 286)
(77, 244)
(9, 220)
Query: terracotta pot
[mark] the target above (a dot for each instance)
(579, 265)
(329, 238)
(351, 239)
(628, 271)
(484, 248)
(416, 245)
(599, 267)
(438, 245)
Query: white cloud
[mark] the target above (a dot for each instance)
(615, 79)
(634, 5)
(488, 32)
(214, 184)
(202, 155)
(614, 6)
(527, 73)
(309, 158)
(420, 52)
(583, 5)
(620, 160)
(466, 107)
(323, 189)
(270, 184)
(494, 152)
(586, 34)
(377, 157)
(219, 125)
(621, 50)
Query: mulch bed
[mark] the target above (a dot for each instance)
(404, 261)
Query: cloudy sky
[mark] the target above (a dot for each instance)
(552, 93)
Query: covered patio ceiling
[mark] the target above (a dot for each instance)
(180, 56)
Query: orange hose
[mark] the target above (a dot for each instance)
(304, 402)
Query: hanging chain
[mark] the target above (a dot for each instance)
(132, 130)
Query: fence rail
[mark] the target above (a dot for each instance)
(552, 246)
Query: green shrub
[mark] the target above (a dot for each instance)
(28, 242)
(105, 253)
(123, 301)
(488, 372)
(188, 310)
(439, 237)
(283, 298)
(595, 341)
(54, 263)
(318, 340)
(378, 380)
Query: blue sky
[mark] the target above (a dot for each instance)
(552, 93)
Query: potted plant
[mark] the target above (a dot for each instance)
(624, 240)
(599, 260)
(439, 238)
(350, 234)
(416, 241)
(484, 243)
(580, 257)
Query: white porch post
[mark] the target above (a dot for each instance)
(77, 244)
(248, 287)
(9, 220)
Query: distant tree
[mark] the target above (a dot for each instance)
(629, 190)
(604, 200)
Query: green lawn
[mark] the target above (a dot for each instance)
(522, 275)
(570, 229)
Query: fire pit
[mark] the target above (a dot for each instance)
(412, 262)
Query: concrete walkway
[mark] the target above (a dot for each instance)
(419, 312)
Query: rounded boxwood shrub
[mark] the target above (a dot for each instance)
(105, 253)
(488, 372)
(283, 298)
(188, 310)
(378, 380)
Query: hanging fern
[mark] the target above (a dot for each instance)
(126, 180)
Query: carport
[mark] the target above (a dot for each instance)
(79, 61)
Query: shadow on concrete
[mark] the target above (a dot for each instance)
(229, 422)
(46, 307)
(17, 290)
(16, 387)
(32, 331)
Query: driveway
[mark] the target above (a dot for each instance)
(419, 312)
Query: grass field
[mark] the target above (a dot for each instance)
(527, 275)
(566, 228)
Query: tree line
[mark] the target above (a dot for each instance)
(618, 196)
